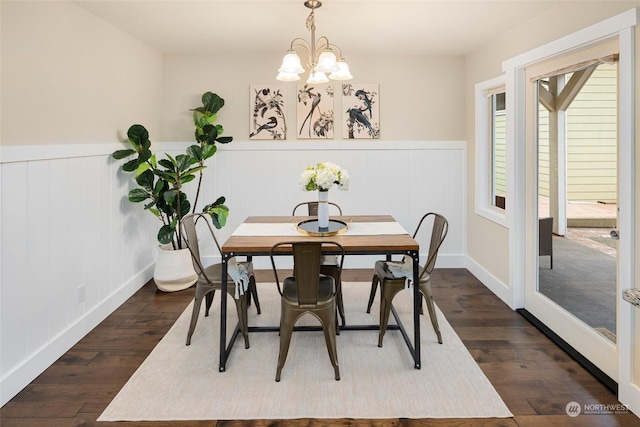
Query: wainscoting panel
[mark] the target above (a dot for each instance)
(73, 248)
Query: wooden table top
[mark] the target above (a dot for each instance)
(360, 244)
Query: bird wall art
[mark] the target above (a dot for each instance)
(361, 111)
(314, 111)
(267, 119)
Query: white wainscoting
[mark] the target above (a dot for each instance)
(67, 228)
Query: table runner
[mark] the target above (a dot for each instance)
(289, 229)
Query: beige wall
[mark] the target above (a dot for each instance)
(69, 77)
(426, 102)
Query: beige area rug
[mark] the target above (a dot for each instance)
(177, 382)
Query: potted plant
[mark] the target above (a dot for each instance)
(160, 185)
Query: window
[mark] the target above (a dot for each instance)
(497, 133)
(490, 150)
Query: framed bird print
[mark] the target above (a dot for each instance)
(268, 108)
(361, 111)
(314, 111)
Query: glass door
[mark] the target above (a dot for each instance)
(572, 136)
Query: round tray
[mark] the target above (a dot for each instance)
(310, 228)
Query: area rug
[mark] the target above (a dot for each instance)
(179, 382)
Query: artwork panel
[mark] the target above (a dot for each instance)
(267, 112)
(314, 111)
(361, 111)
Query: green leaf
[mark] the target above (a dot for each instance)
(130, 166)
(165, 234)
(146, 179)
(142, 167)
(224, 139)
(212, 102)
(165, 163)
(154, 211)
(195, 151)
(212, 118)
(169, 196)
(183, 161)
(219, 215)
(160, 187)
(138, 136)
(145, 154)
(138, 195)
(194, 170)
(208, 151)
(121, 154)
(187, 178)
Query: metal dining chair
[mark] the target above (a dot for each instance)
(391, 284)
(308, 291)
(329, 264)
(210, 279)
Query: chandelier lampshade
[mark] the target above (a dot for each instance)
(327, 62)
(317, 77)
(291, 63)
(321, 54)
(342, 73)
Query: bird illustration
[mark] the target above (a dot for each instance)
(356, 115)
(315, 100)
(270, 124)
(364, 96)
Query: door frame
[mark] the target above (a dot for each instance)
(523, 229)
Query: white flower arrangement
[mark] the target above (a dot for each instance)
(323, 176)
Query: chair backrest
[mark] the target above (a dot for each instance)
(438, 233)
(307, 257)
(190, 236)
(312, 208)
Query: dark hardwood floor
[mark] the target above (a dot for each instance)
(535, 378)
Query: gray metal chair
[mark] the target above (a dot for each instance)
(391, 285)
(210, 279)
(329, 264)
(307, 291)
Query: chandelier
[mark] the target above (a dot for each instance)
(322, 59)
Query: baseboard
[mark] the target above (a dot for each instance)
(44, 357)
(575, 354)
(500, 289)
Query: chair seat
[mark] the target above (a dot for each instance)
(390, 285)
(382, 270)
(325, 290)
(214, 273)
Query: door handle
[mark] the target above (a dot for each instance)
(614, 234)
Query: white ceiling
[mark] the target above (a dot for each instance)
(426, 27)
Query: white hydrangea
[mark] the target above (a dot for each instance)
(323, 176)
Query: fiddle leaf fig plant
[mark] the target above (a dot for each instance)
(160, 181)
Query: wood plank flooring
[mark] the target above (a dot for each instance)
(534, 377)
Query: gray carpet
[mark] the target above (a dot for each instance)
(583, 281)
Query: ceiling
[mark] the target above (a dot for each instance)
(421, 27)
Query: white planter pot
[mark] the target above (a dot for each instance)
(174, 270)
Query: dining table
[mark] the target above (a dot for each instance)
(360, 235)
